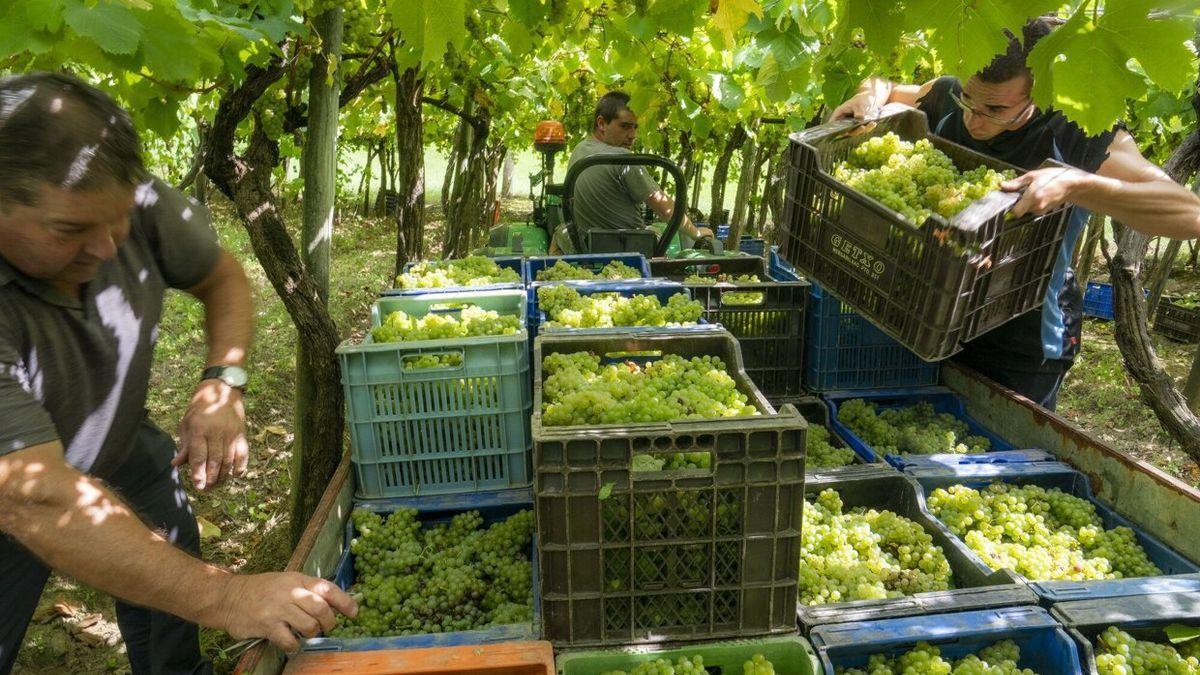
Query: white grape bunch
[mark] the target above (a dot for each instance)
(1000, 658)
(472, 321)
(473, 270)
(565, 271)
(865, 554)
(915, 429)
(915, 179)
(1043, 534)
(566, 307)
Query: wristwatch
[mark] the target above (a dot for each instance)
(231, 375)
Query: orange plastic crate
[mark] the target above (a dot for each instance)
(504, 658)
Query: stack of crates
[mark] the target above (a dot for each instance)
(637, 557)
(1177, 322)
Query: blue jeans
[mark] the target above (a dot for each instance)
(158, 643)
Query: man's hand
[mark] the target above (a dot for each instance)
(864, 105)
(212, 435)
(1046, 189)
(704, 232)
(280, 606)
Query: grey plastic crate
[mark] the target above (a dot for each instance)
(881, 487)
(643, 557)
(1143, 616)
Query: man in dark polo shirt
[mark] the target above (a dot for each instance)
(88, 485)
(993, 113)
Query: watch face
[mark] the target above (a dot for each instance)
(234, 376)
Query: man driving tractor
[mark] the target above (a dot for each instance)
(611, 196)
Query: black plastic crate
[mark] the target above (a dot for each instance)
(1145, 617)
(881, 487)
(771, 331)
(697, 554)
(816, 413)
(1179, 323)
(933, 286)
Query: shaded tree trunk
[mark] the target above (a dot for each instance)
(410, 170)
(1162, 272)
(364, 187)
(1091, 241)
(719, 215)
(510, 168)
(741, 198)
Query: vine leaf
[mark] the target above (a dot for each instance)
(1157, 44)
(731, 16)
(113, 27)
(967, 35)
(881, 23)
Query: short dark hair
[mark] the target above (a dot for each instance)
(610, 106)
(57, 129)
(1011, 63)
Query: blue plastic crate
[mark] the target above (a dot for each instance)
(1045, 646)
(589, 261)
(951, 464)
(493, 507)
(780, 269)
(663, 290)
(1143, 616)
(943, 400)
(515, 263)
(448, 429)
(1098, 300)
(1066, 478)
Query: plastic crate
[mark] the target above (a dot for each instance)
(593, 262)
(790, 655)
(1045, 646)
(1054, 592)
(439, 430)
(493, 509)
(1179, 323)
(719, 557)
(1144, 617)
(1098, 300)
(951, 464)
(515, 263)
(779, 268)
(505, 658)
(932, 286)
(663, 290)
(816, 413)
(845, 351)
(880, 487)
(1064, 477)
(679, 269)
(943, 400)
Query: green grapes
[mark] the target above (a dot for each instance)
(916, 429)
(565, 307)
(1000, 658)
(672, 461)
(449, 577)
(565, 271)
(733, 297)
(1044, 534)
(693, 665)
(821, 454)
(578, 389)
(865, 555)
(473, 270)
(422, 361)
(1119, 653)
(915, 179)
(472, 321)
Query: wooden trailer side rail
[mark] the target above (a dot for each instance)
(1162, 505)
(316, 554)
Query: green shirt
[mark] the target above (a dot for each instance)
(608, 196)
(77, 370)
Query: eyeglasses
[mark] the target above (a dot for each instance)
(998, 120)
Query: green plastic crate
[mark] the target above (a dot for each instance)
(439, 430)
(719, 558)
(789, 655)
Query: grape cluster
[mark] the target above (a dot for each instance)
(1044, 534)
(672, 461)
(423, 361)
(821, 454)
(472, 321)
(578, 389)
(1119, 653)
(733, 297)
(565, 307)
(865, 555)
(450, 577)
(1000, 658)
(915, 179)
(916, 429)
(693, 665)
(475, 270)
(565, 271)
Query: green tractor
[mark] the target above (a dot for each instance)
(552, 211)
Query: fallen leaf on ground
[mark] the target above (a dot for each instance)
(207, 529)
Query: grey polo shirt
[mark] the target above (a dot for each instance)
(77, 370)
(608, 196)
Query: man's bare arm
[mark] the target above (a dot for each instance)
(76, 525)
(664, 207)
(874, 93)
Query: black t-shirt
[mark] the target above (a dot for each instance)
(1048, 135)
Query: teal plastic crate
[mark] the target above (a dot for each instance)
(440, 430)
(790, 655)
